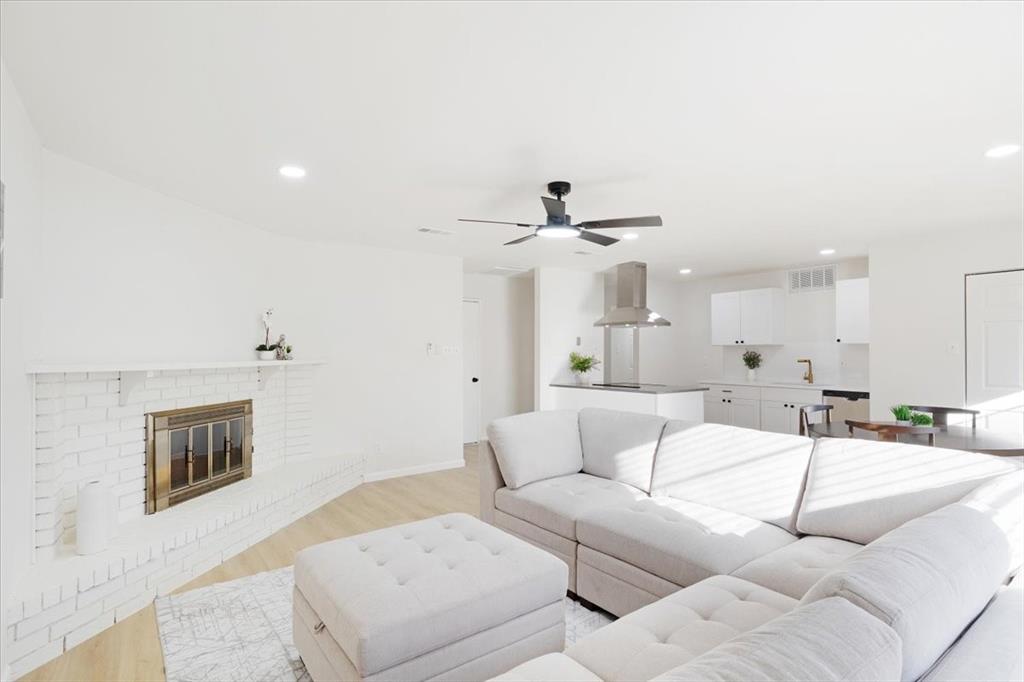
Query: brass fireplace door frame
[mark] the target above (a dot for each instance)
(159, 426)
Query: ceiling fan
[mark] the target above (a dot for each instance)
(560, 225)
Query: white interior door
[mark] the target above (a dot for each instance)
(470, 371)
(995, 348)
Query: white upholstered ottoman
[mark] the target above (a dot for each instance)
(448, 598)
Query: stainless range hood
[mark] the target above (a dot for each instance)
(626, 285)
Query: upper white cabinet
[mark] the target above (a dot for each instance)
(751, 317)
(853, 321)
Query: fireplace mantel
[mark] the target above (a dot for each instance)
(134, 374)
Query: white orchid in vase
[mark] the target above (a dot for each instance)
(266, 351)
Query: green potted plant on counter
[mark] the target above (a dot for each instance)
(580, 365)
(752, 359)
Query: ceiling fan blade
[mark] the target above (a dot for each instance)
(494, 222)
(597, 238)
(644, 221)
(555, 208)
(520, 240)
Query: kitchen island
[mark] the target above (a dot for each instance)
(673, 402)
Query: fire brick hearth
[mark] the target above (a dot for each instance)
(194, 450)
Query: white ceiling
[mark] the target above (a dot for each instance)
(761, 132)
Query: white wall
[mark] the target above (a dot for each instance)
(506, 343)
(19, 171)
(566, 305)
(685, 355)
(917, 312)
(112, 271)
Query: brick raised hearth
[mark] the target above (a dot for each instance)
(90, 425)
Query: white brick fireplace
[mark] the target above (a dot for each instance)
(90, 425)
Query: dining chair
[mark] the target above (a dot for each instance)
(808, 410)
(892, 432)
(940, 415)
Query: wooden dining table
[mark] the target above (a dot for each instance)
(952, 436)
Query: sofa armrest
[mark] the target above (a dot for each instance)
(490, 480)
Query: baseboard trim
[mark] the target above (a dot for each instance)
(412, 471)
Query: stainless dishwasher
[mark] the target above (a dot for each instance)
(847, 404)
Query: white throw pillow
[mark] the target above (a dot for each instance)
(536, 445)
(927, 579)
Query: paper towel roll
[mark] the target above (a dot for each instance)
(93, 517)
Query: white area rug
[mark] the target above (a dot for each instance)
(242, 630)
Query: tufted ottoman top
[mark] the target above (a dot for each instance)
(390, 595)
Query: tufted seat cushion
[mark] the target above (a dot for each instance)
(682, 626)
(556, 504)
(682, 542)
(793, 569)
(395, 594)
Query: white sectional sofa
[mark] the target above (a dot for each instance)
(738, 554)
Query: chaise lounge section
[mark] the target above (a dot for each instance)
(713, 543)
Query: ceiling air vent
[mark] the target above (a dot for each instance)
(817, 278)
(434, 230)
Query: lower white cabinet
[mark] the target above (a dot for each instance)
(755, 407)
(780, 417)
(732, 406)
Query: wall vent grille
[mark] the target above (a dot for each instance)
(818, 278)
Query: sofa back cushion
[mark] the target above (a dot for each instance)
(754, 473)
(620, 445)
(536, 445)
(828, 641)
(1002, 498)
(927, 579)
(858, 490)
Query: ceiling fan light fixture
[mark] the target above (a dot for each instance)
(557, 231)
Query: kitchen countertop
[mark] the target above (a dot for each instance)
(655, 389)
(768, 383)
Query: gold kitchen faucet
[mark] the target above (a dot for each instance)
(809, 374)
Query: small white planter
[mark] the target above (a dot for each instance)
(583, 379)
(903, 422)
(266, 354)
(751, 375)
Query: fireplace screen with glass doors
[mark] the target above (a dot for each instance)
(194, 450)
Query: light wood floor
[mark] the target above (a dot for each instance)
(130, 650)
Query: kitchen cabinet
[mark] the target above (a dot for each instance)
(751, 317)
(732, 405)
(853, 321)
(780, 417)
(725, 318)
(767, 408)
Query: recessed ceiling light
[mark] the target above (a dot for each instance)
(631, 236)
(827, 252)
(685, 271)
(293, 172)
(1002, 151)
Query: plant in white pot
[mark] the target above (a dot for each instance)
(266, 350)
(580, 365)
(902, 413)
(752, 359)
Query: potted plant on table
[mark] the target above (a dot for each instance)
(902, 414)
(752, 359)
(580, 365)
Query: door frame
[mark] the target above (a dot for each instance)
(974, 274)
